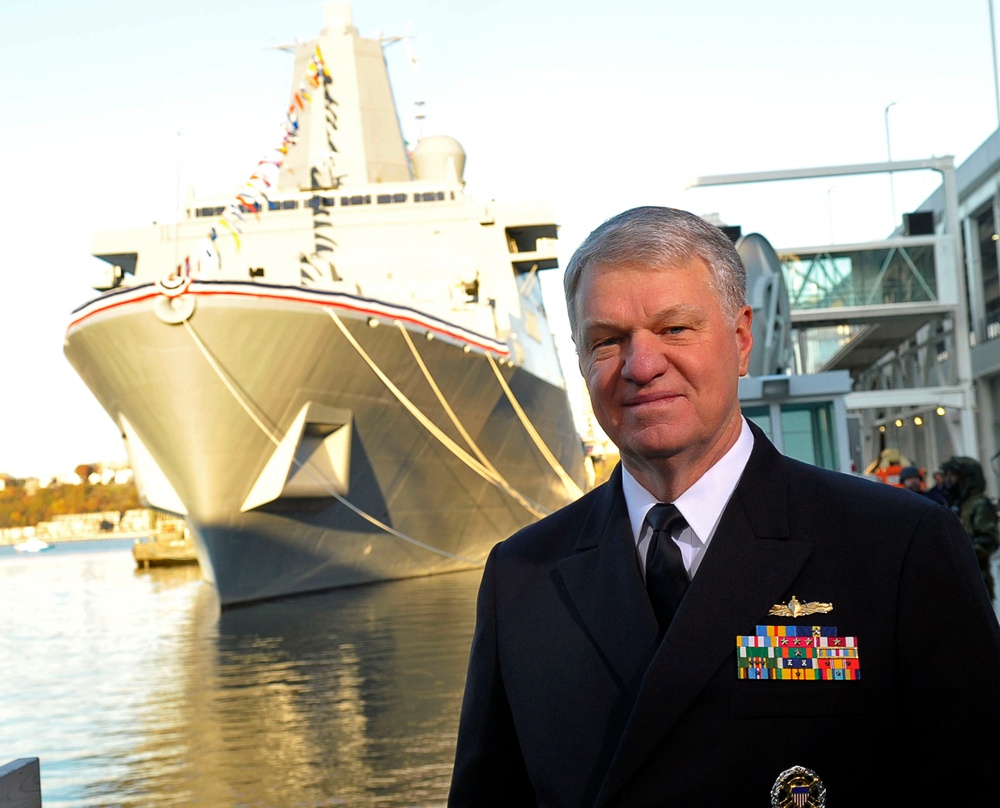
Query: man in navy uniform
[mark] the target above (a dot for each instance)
(718, 624)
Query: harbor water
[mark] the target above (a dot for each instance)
(134, 689)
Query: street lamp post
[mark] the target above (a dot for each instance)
(996, 80)
(888, 150)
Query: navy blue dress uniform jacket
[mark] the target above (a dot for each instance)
(571, 701)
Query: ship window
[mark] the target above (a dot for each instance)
(399, 197)
(329, 201)
(274, 206)
(290, 204)
(384, 198)
(430, 196)
(528, 238)
(356, 200)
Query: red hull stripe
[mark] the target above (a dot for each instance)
(121, 298)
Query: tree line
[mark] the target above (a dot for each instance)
(19, 508)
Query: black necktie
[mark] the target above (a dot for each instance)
(666, 577)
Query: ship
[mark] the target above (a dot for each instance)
(344, 372)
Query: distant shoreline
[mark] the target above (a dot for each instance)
(6, 541)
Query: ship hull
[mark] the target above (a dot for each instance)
(313, 441)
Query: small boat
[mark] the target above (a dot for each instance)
(169, 545)
(32, 545)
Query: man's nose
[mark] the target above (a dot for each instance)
(645, 358)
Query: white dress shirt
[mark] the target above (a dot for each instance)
(701, 505)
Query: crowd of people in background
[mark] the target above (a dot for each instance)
(960, 485)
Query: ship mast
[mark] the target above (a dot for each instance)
(353, 137)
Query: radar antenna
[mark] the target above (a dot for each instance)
(419, 102)
(288, 48)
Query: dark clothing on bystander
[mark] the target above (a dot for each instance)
(976, 511)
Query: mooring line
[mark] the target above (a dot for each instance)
(444, 402)
(571, 487)
(240, 399)
(473, 464)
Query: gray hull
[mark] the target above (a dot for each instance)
(306, 458)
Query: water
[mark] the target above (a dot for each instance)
(133, 689)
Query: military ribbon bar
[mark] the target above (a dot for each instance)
(797, 653)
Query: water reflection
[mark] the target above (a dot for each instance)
(352, 694)
(346, 698)
(133, 689)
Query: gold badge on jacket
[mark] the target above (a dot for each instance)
(798, 787)
(796, 608)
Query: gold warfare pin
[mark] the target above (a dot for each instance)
(796, 608)
(798, 787)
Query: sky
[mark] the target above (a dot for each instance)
(111, 110)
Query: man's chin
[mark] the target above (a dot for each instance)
(651, 449)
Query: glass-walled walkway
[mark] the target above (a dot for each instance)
(900, 271)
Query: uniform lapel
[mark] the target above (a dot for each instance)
(746, 570)
(603, 586)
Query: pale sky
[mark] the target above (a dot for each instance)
(108, 109)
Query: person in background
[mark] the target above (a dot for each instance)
(718, 624)
(912, 478)
(936, 491)
(966, 487)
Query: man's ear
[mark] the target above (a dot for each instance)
(744, 337)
